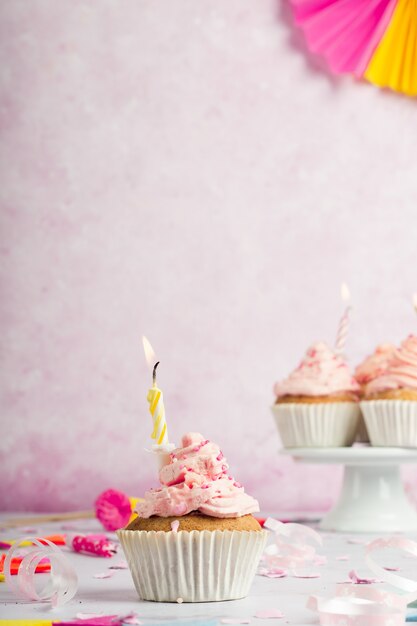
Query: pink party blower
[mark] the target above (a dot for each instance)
(112, 508)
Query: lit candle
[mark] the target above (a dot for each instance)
(157, 410)
(342, 331)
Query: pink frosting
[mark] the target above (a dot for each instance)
(401, 370)
(375, 364)
(196, 479)
(320, 373)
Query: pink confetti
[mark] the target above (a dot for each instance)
(361, 581)
(131, 619)
(100, 620)
(306, 575)
(269, 614)
(119, 565)
(5, 545)
(175, 525)
(235, 620)
(343, 557)
(392, 569)
(108, 574)
(272, 572)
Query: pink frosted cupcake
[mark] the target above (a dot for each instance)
(195, 537)
(317, 405)
(390, 404)
(374, 365)
(371, 367)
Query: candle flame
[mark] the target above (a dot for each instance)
(149, 352)
(344, 292)
(415, 302)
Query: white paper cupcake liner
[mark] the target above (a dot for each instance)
(391, 422)
(197, 566)
(318, 425)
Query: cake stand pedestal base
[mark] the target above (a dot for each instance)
(372, 498)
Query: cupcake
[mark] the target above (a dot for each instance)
(195, 537)
(390, 404)
(317, 405)
(372, 367)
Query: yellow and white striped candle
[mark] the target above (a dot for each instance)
(156, 401)
(343, 329)
(157, 410)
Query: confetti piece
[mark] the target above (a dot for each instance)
(119, 565)
(269, 614)
(272, 572)
(5, 545)
(180, 600)
(343, 557)
(235, 620)
(392, 569)
(100, 620)
(108, 574)
(174, 525)
(361, 581)
(131, 619)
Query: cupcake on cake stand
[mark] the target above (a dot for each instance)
(372, 497)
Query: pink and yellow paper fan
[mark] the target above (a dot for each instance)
(373, 39)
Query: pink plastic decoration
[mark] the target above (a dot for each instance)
(345, 33)
(99, 545)
(113, 509)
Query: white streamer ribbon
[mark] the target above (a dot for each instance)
(362, 605)
(291, 548)
(62, 581)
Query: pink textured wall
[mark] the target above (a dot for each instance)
(181, 169)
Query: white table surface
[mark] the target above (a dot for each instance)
(117, 595)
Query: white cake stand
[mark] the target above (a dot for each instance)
(372, 498)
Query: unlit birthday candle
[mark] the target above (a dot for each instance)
(343, 330)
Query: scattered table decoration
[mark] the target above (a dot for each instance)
(363, 604)
(374, 40)
(62, 581)
(291, 550)
(98, 545)
(112, 508)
